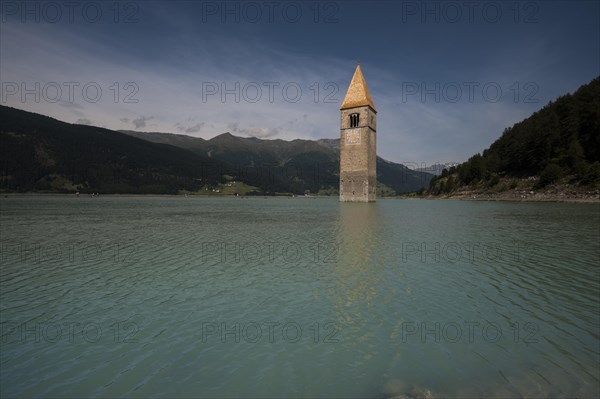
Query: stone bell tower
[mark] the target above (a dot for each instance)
(358, 139)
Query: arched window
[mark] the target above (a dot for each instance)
(354, 120)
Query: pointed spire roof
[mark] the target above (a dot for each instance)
(358, 93)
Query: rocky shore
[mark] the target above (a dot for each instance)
(525, 196)
(523, 190)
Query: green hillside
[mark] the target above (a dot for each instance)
(291, 166)
(41, 154)
(560, 142)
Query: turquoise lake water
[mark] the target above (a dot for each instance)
(228, 297)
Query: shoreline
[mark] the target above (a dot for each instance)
(522, 196)
(491, 198)
(133, 195)
(520, 190)
(507, 197)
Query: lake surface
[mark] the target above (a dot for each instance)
(228, 297)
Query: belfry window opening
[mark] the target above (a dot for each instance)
(354, 120)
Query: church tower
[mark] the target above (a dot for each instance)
(358, 149)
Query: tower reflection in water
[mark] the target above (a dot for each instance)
(370, 296)
(359, 287)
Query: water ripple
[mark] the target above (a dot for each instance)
(165, 302)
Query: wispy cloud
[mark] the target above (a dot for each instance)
(259, 132)
(83, 121)
(140, 122)
(189, 129)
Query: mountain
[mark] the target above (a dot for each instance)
(41, 154)
(560, 142)
(297, 165)
(38, 153)
(437, 168)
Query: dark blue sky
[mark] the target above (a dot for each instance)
(446, 77)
